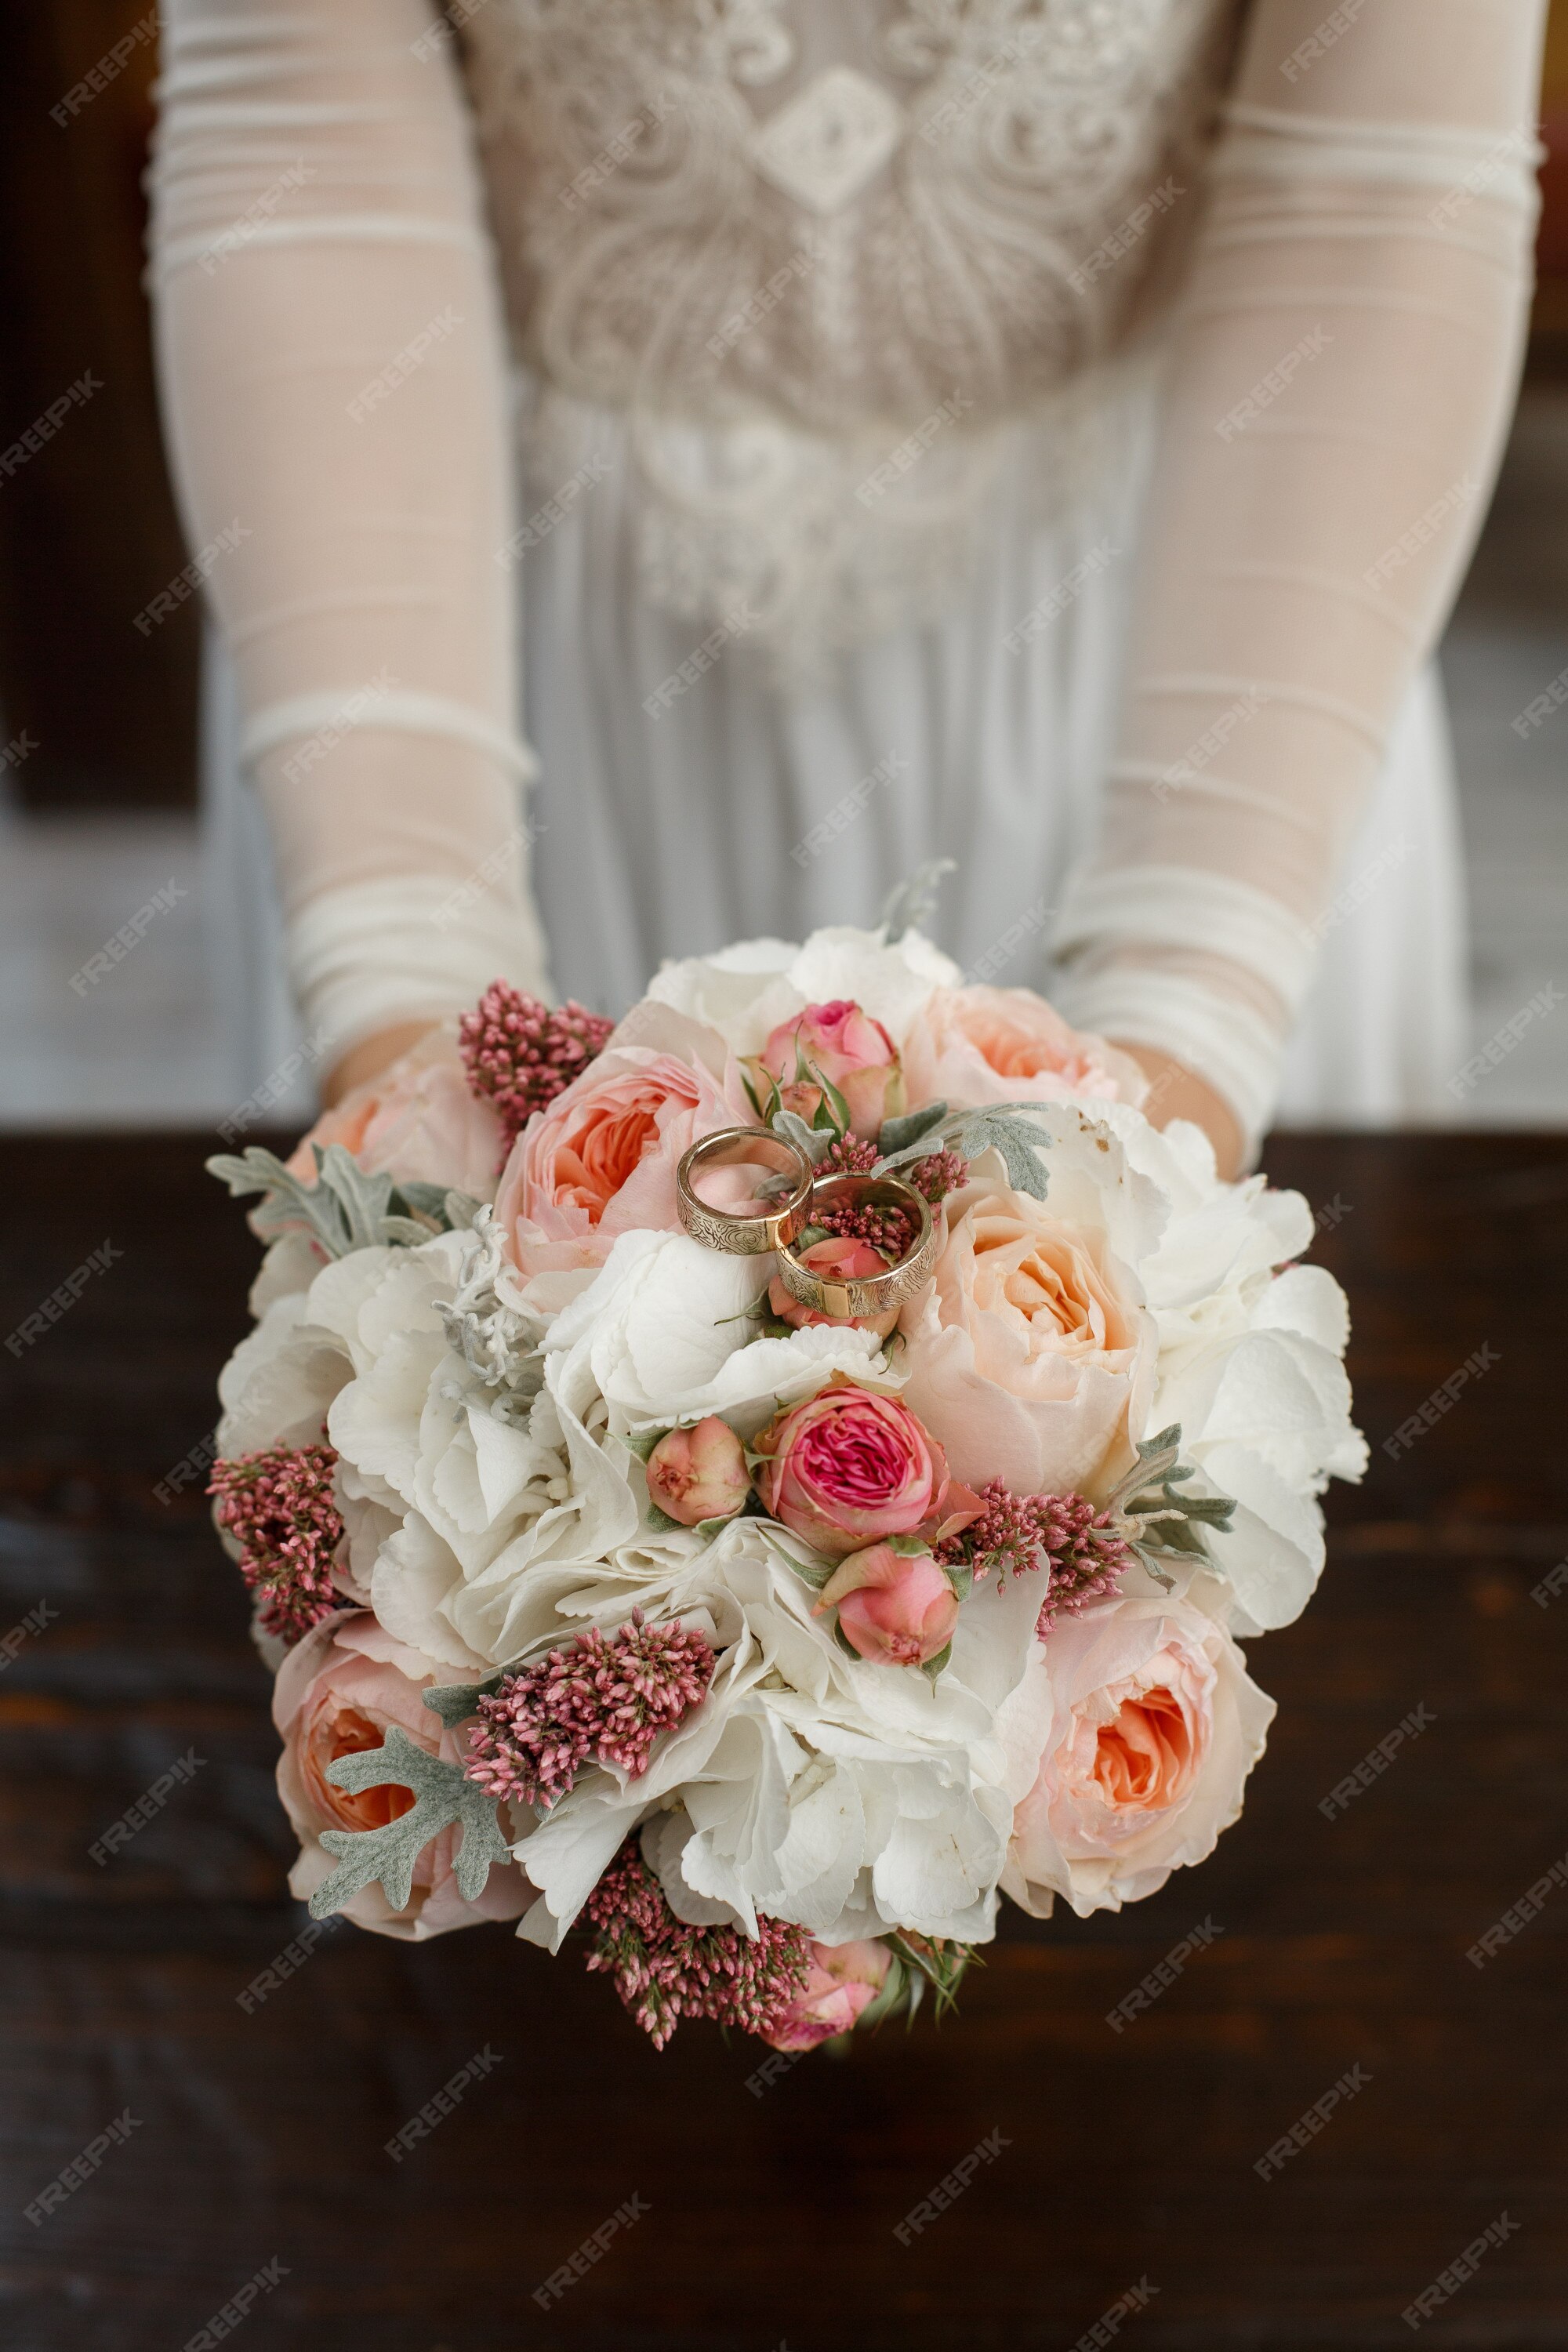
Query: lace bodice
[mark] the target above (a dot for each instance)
(801, 244)
(840, 215)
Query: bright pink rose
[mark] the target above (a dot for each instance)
(601, 1160)
(844, 1981)
(1145, 1725)
(338, 1691)
(416, 1121)
(847, 1046)
(847, 1260)
(699, 1473)
(897, 1608)
(849, 1466)
(974, 1045)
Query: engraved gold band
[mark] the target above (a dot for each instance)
(871, 1294)
(772, 1228)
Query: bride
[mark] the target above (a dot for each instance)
(695, 460)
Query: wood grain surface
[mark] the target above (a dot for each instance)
(1126, 2160)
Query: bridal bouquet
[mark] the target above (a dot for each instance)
(749, 1557)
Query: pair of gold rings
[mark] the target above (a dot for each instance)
(741, 1235)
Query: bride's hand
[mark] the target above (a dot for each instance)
(370, 1057)
(1175, 1092)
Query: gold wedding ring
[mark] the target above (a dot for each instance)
(769, 1228)
(871, 1294)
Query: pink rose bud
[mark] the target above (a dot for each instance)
(844, 1980)
(847, 1260)
(896, 1608)
(699, 1473)
(845, 1046)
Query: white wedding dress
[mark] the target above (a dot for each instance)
(1046, 433)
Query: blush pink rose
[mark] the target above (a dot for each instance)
(1143, 1725)
(699, 1473)
(843, 1982)
(418, 1121)
(601, 1160)
(847, 1260)
(970, 1046)
(1032, 1352)
(896, 1608)
(337, 1692)
(847, 1047)
(849, 1465)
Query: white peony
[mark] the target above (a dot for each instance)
(809, 1786)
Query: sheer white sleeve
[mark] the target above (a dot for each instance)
(1340, 388)
(331, 356)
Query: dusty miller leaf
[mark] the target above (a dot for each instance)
(1159, 1522)
(344, 1210)
(455, 1702)
(442, 1796)
(1017, 1139)
(898, 1134)
(1013, 1129)
(817, 1142)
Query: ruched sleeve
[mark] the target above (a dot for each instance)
(1339, 392)
(334, 383)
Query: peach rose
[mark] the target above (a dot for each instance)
(1033, 1353)
(844, 1980)
(338, 1691)
(601, 1160)
(896, 1608)
(847, 1260)
(974, 1045)
(846, 1047)
(1145, 1726)
(418, 1121)
(850, 1466)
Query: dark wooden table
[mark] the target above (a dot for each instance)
(256, 2138)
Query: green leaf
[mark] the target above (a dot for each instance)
(442, 1796)
(959, 1574)
(815, 1572)
(942, 1965)
(898, 1134)
(455, 1702)
(832, 1111)
(933, 1667)
(660, 1521)
(891, 2000)
(909, 903)
(643, 1441)
(844, 1644)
